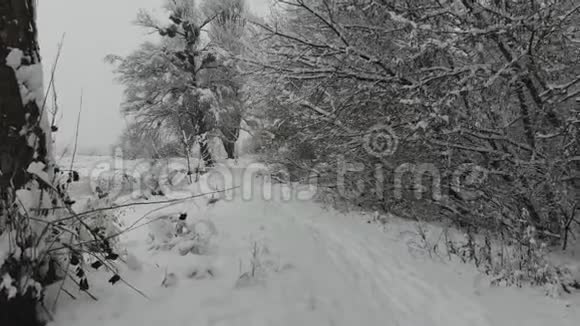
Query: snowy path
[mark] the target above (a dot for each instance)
(317, 267)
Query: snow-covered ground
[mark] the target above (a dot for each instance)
(279, 261)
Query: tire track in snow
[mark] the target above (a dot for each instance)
(338, 298)
(392, 283)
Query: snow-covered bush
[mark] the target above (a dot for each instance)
(111, 184)
(259, 264)
(139, 142)
(256, 269)
(175, 233)
(104, 221)
(514, 263)
(66, 244)
(146, 178)
(514, 260)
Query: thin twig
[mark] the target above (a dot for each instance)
(52, 73)
(64, 279)
(77, 132)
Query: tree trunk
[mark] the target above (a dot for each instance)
(230, 132)
(229, 137)
(230, 148)
(205, 153)
(200, 125)
(24, 138)
(19, 120)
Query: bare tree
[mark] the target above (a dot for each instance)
(486, 83)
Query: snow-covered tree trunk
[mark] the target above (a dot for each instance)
(230, 133)
(24, 133)
(26, 162)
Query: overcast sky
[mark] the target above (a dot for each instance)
(93, 30)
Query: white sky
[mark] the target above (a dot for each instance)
(93, 30)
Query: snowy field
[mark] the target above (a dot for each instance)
(260, 256)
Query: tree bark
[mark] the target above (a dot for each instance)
(230, 148)
(230, 131)
(205, 153)
(24, 138)
(18, 119)
(229, 137)
(200, 126)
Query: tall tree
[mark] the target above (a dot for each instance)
(187, 83)
(192, 55)
(229, 32)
